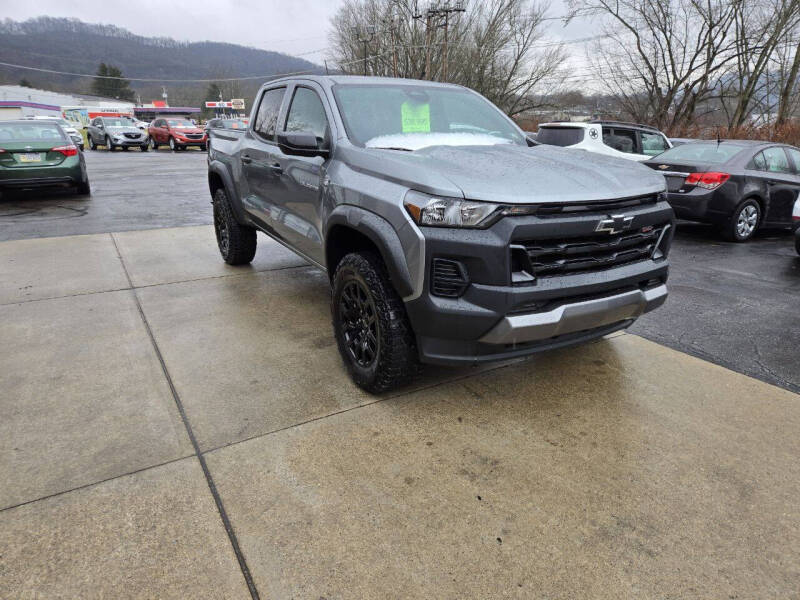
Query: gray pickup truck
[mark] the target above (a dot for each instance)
(449, 237)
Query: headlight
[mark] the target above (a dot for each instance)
(435, 211)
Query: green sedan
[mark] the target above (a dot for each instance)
(35, 154)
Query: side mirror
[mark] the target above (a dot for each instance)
(300, 143)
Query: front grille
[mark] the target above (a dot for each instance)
(448, 278)
(589, 253)
(584, 208)
(194, 136)
(133, 136)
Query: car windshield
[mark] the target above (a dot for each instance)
(410, 117)
(180, 123)
(560, 136)
(709, 152)
(29, 132)
(121, 122)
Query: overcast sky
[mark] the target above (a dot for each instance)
(297, 27)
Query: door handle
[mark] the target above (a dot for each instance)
(276, 168)
(246, 159)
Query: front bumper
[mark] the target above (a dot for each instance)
(188, 142)
(497, 318)
(576, 317)
(119, 142)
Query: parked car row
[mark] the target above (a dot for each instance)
(735, 185)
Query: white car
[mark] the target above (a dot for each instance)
(612, 138)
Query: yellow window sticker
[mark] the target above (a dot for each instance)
(416, 117)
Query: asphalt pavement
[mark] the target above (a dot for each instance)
(733, 304)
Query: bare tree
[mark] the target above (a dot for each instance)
(787, 61)
(496, 47)
(659, 58)
(761, 27)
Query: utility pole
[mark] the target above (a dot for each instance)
(365, 39)
(391, 25)
(445, 10)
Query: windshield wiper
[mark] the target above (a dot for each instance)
(391, 148)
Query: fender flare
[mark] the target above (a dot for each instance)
(381, 233)
(218, 168)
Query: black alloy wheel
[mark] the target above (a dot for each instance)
(360, 326)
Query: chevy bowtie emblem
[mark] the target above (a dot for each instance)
(614, 224)
(663, 167)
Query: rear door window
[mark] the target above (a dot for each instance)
(560, 136)
(622, 140)
(794, 154)
(777, 162)
(267, 116)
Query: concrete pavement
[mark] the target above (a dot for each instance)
(174, 427)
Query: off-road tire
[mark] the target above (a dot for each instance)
(395, 361)
(236, 243)
(731, 230)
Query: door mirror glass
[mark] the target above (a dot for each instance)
(300, 143)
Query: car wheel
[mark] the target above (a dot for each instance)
(172, 145)
(370, 324)
(83, 188)
(153, 144)
(144, 147)
(203, 147)
(109, 145)
(797, 242)
(744, 221)
(237, 243)
(92, 145)
(124, 148)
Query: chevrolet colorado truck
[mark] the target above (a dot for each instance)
(449, 238)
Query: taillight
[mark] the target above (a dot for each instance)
(66, 150)
(708, 181)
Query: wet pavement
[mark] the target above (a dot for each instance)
(175, 427)
(733, 304)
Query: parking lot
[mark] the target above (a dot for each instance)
(174, 427)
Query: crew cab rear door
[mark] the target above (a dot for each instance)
(261, 168)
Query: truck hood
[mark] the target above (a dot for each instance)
(512, 174)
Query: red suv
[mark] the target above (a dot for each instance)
(177, 133)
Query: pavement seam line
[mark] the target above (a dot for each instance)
(94, 483)
(248, 578)
(150, 285)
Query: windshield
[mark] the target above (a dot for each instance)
(180, 123)
(120, 122)
(709, 152)
(29, 132)
(560, 136)
(409, 117)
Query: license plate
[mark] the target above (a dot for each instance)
(30, 157)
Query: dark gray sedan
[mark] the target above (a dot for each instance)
(738, 185)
